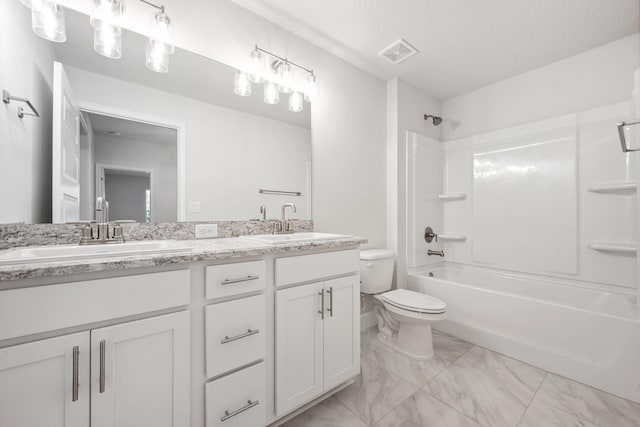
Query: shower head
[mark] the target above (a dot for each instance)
(436, 120)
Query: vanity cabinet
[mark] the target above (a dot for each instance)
(44, 383)
(317, 328)
(131, 373)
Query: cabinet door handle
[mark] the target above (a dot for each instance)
(321, 293)
(330, 309)
(75, 374)
(239, 280)
(246, 407)
(249, 332)
(103, 354)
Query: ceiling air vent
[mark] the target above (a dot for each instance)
(398, 51)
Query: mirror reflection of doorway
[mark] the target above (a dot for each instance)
(128, 192)
(135, 169)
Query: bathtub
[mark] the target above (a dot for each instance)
(585, 334)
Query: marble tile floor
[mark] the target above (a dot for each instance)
(463, 386)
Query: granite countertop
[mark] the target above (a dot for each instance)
(199, 250)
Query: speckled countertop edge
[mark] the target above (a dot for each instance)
(202, 250)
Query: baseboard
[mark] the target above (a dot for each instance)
(368, 320)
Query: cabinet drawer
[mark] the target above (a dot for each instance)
(235, 279)
(46, 308)
(237, 400)
(307, 268)
(235, 334)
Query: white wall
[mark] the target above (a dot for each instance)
(348, 119)
(406, 106)
(25, 148)
(159, 158)
(596, 78)
(229, 154)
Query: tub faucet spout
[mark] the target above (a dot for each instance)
(438, 253)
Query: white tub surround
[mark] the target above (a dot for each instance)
(586, 334)
(198, 334)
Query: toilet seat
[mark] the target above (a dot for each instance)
(414, 301)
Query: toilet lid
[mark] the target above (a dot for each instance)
(414, 301)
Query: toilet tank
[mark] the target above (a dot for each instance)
(376, 270)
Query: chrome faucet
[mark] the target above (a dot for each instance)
(284, 226)
(102, 234)
(438, 253)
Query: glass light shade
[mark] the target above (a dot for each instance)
(107, 39)
(271, 95)
(162, 32)
(312, 88)
(285, 77)
(38, 5)
(242, 84)
(157, 58)
(256, 67)
(48, 23)
(109, 11)
(296, 102)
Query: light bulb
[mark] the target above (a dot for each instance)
(312, 88)
(242, 84)
(285, 77)
(296, 103)
(271, 95)
(157, 57)
(109, 11)
(47, 20)
(36, 5)
(107, 40)
(256, 67)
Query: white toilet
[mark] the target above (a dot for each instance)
(404, 317)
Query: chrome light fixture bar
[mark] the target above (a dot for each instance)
(277, 77)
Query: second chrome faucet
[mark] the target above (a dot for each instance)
(284, 225)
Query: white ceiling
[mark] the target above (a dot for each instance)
(463, 44)
(131, 130)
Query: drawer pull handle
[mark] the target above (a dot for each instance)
(103, 354)
(75, 374)
(246, 407)
(243, 279)
(237, 337)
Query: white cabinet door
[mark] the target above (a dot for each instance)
(298, 346)
(341, 330)
(46, 383)
(140, 373)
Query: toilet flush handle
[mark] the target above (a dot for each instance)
(369, 264)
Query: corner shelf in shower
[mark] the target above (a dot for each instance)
(623, 188)
(614, 248)
(453, 237)
(452, 196)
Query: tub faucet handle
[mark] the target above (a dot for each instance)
(429, 235)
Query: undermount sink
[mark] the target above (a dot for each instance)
(293, 238)
(73, 252)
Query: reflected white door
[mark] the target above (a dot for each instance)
(37, 383)
(66, 150)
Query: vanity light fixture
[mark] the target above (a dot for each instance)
(107, 31)
(278, 77)
(47, 19)
(160, 44)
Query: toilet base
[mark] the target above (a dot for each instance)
(416, 346)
